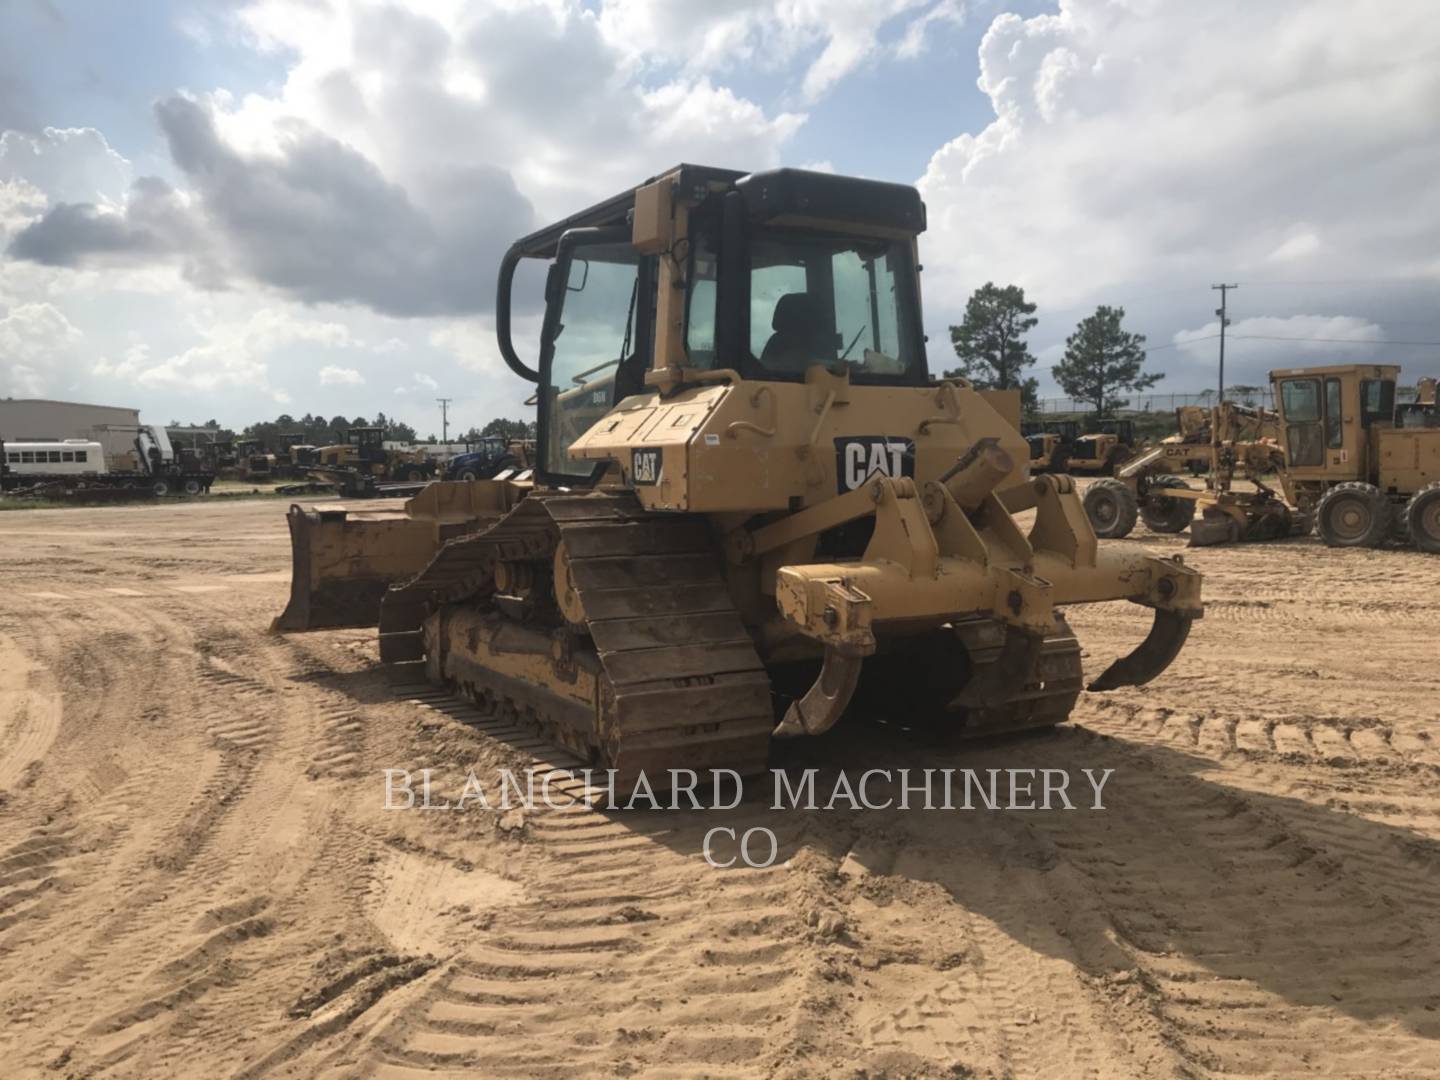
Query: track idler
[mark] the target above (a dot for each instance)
(1153, 655)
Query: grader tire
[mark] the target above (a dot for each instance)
(1112, 508)
(1422, 518)
(1353, 515)
(1166, 513)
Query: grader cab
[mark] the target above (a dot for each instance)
(753, 504)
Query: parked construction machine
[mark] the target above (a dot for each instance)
(1189, 447)
(1368, 470)
(1350, 464)
(1051, 443)
(1104, 449)
(293, 455)
(489, 456)
(752, 503)
(253, 462)
(356, 465)
(1146, 488)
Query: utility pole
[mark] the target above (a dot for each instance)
(444, 419)
(1224, 322)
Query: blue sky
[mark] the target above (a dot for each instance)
(279, 204)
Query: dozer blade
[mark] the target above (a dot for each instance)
(1153, 655)
(343, 563)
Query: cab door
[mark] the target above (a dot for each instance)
(595, 341)
(1302, 413)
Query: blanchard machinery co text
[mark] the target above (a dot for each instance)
(724, 789)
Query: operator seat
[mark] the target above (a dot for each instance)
(801, 337)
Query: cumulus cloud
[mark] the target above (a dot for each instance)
(1258, 345)
(1134, 142)
(833, 36)
(331, 375)
(38, 346)
(69, 164)
(388, 170)
(232, 355)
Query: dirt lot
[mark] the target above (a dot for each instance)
(198, 877)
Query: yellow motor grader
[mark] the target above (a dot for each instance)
(1367, 468)
(752, 503)
(1351, 464)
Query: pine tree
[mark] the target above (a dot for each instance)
(990, 342)
(1102, 359)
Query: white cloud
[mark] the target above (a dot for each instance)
(388, 170)
(68, 164)
(39, 348)
(835, 36)
(330, 375)
(1259, 344)
(423, 380)
(1135, 142)
(233, 355)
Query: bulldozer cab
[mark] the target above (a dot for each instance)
(1327, 415)
(704, 277)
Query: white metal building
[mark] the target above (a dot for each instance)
(37, 420)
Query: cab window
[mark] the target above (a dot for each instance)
(1334, 416)
(594, 333)
(700, 305)
(846, 301)
(1377, 400)
(1304, 442)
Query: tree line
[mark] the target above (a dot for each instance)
(1102, 359)
(316, 430)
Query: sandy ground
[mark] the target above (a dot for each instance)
(198, 877)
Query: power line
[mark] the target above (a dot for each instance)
(1277, 337)
(1341, 281)
(1178, 344)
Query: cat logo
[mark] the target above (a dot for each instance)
(645, 466)
(858, 457)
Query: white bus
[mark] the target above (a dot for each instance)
(73, 457)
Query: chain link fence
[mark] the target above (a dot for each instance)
(1259, 397)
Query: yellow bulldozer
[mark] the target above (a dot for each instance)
(752, 503)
